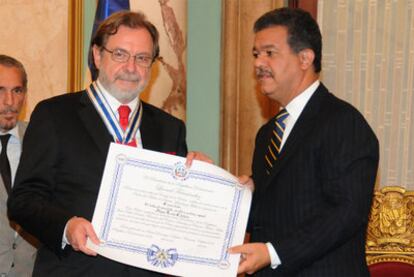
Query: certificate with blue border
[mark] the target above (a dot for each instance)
(154, 213)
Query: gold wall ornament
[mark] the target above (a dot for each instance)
(390, 235)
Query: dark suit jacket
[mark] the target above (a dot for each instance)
(314, 206)
(59, 175)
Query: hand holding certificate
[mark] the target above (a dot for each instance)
(153, 212)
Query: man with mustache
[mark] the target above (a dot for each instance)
(17, 248)
(67, 143)
(314, 163)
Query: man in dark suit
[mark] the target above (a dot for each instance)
(17, 248)
(67, 142)
(314, 164)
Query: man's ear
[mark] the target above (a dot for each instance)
(306, 57)
(96, 56)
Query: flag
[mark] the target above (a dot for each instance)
(104, 9)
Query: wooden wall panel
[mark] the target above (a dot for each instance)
(244, 109)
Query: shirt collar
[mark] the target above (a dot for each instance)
(113, 102)
(296, 106)
(13, 132)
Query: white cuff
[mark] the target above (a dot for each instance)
(274, 258)
(64, 238)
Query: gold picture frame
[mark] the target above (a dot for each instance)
(75, 45)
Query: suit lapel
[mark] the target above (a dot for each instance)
(151, 139)
(21, 128)
(305, 123)
(94, 124)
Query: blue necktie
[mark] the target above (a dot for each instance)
(273, 148)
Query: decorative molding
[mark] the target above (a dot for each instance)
(230, 85)
(390, 235)
(75, 45)
(388, 258)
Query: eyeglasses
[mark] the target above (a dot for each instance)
(122, 56)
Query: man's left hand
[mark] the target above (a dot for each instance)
(193, 155)
(253, 257)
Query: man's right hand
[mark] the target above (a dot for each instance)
(253, 257)
(247, 181)
(77, 231)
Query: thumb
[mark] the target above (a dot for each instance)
(90, 232)
(235, 249)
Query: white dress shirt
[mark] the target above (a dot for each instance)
(14, 150)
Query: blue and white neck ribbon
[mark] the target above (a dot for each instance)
(110, 119)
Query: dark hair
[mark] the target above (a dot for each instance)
(133, 20)
(303, 30)
(12, 62)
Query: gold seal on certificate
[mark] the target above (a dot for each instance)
(155, 213)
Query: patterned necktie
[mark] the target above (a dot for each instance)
(124, 112)
(273, 149)
(4, 163)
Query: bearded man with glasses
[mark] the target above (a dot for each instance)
(67, 141)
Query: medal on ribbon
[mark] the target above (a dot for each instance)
(109, 117)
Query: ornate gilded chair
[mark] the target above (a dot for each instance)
(390, 237)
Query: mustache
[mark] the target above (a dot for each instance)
(125, 76)
(262, 72)
(8, 110)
